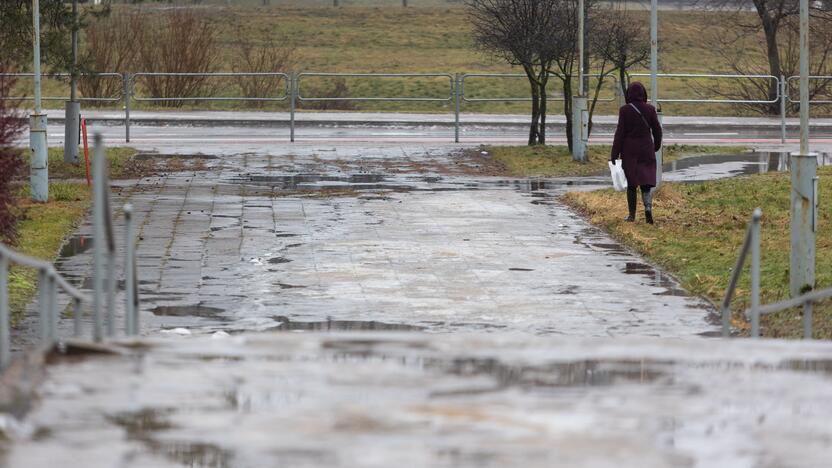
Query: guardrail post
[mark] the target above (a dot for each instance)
(43, 305)
(128, 92)
(783, 98)
(99, 241)
(53, 307)
(111, 294)
(293, 93)
(457, 95)
(755, 274)
(807, 320)
(76, 317)
(130, 311)
(5, 345)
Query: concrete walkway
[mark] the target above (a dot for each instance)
(261, 242)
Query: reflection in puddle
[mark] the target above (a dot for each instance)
(75, 245)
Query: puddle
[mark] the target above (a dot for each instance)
(196, 310)
(656, 277)
(287, 324)
(75, 245)
(708, 167)
(278, 260)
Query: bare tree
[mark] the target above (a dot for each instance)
(621, 40)
(528, 34)
(773, 32)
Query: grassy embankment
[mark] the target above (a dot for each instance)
(699, 232)
(555, 161)
(432, 40)
(45, 226)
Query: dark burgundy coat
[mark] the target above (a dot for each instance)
(632, 138)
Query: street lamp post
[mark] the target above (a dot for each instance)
(580, 115)
(803, 181)
(654, 69)
(37, 124)
(72, 120)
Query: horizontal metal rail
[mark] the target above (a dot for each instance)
(788, 89)
(301, 97)
(465, 98)
(67, 75)
(715, 76)
(280, 76)
(814, 296)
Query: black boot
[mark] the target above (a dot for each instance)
(647, 197)
(632, 199)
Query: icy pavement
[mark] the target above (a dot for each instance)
(417, 400)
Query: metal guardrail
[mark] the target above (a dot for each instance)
(787, 89)
(457, 92)
(66, 76)
(280, 76)
(49, 280)
(715, 77)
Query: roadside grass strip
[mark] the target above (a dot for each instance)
(555, 161)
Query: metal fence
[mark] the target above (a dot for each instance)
(752, 243)
(287, 87)
(49, 280)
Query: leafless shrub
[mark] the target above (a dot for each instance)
(11, 164)
(272, 57)
(178, 41)
(109, 46)
(337, 89)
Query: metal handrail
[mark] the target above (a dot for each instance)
(450, 77)
(716, 76)
(49, 280)
(751, 242)
(285, 77)
(66, 75)
(464, 97)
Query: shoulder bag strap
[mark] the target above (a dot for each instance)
(649, 128)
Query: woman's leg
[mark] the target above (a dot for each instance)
(647, 197)
(632, 200)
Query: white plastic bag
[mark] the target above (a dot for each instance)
(619, 180)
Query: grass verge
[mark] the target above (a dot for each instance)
(41, 233)
(555, 161)
(699, 231)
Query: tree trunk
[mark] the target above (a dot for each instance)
(533, 129)
(542, 127)
(567, 109)
(770, 27)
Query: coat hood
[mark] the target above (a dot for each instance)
(636, 92)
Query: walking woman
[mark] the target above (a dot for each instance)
(637, 139)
